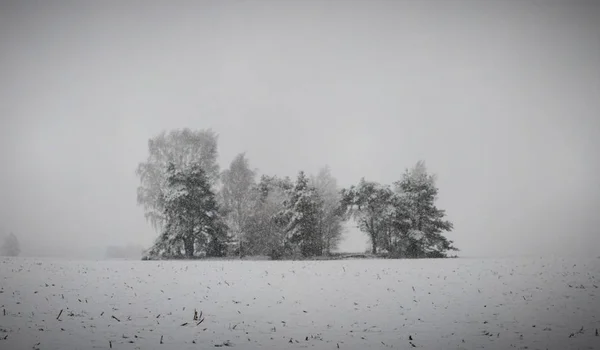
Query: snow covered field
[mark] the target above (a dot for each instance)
(352, 304)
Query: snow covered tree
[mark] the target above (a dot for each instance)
(330, 217)
(404, 222)
(11, 246)
(181, 148)
(369, 204)
(397, 222)
(301, 217)
(264, 234)
(238, 183)
(420, 223)
(191, 215)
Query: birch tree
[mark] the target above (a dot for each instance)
(182, 148)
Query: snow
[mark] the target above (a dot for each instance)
(534, 303)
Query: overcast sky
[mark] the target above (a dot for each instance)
(500, 98)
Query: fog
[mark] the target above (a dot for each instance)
(501, 99)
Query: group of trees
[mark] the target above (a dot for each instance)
(10, 246)
(202, 212)
(401, 221)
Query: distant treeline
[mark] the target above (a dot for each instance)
(200, 211)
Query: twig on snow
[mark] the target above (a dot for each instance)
(198, 317)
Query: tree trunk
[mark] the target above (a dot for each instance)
(320, 243)
(188, 244)
(388, 240)
(240, 244)
(374, 243)
(373, 238)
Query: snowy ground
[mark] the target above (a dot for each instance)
(352, 304)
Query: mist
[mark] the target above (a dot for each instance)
(501, 100)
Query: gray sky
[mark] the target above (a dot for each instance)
(500, 98)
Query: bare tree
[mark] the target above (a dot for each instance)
(330, 215)
(238, 183)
